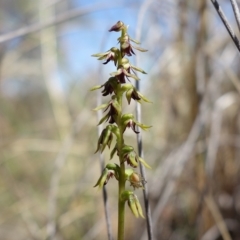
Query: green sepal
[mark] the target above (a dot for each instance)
(128, 173)
(129, 95)
(144, 162)
(125, 45)
(139, 208)
(111, 168)
(127, 149)
(103, 119)
(110, 141)
(132, 158)
(126, 117)
(126, 87)
(131, 75)
(135, 41)
(118, 72)
(116, 106)
(115, 168)
(125, 195)
(102, 178)
(140, 49)
(114, 150)
(100, 54)
(95, 87)
(142, 126)
(138, 69)
(144, 98)
(135, 206)
(102, 57)
(107, 138)
(101, 107)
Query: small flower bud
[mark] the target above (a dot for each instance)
(135, 179)
(117, 27)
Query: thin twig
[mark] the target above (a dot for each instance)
(236, 12)
(226, 24)
(58, 19)
(142, 11)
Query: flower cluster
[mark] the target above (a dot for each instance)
(117, 87)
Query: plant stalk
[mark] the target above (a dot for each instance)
(121, 182)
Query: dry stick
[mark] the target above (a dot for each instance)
(236, 12)
(227, 25)
(58, 19)
(142, 11)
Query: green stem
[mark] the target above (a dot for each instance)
(120, 144)
(121, 205)
(121, 182)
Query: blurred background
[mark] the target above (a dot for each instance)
(48, 131)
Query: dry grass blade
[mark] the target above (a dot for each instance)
(226, 24)
(236, 12)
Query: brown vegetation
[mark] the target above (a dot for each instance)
(47, 129)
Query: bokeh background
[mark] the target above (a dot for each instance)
(48, 130)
